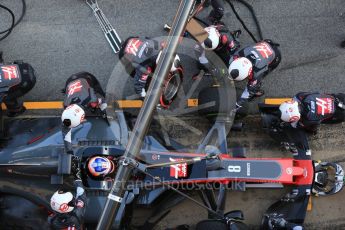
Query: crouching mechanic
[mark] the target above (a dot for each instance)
(309, 110)
(16, 79)
(84, 96)
(254, 62)
(68, 210)
(140, 56)
(216, 13)
(219, 40)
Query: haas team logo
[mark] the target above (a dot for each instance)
(324, 106)
(133, 46)
(178, 170)
(74, 87)
(264, 49)
(10, 72)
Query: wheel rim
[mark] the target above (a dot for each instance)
(171, 88)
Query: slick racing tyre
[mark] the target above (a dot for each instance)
(171, 87)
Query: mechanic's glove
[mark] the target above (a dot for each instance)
(277, 222)
(339, 103)
(102, 105)
(76, 167)
(238, 106)
(79, 188)
(236, 34)
(212, 151)
(143, 93)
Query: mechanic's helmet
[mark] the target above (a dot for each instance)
(212, 41)
(72, 116)
(62, 202)
(100, 166)
(175, 64)
(240, 68)
(290, 111)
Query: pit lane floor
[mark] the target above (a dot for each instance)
(60, 38)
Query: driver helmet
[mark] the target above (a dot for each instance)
(176, 64)
(290, 111)
(72, 116)
(99, 166)
(212, 41)
(62, 202)
(240, 68)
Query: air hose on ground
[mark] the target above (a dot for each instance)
(14, 23)
(250, 8)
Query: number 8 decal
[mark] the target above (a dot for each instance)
(234, 168)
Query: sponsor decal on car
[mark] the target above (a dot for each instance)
(178, 170)
(155, 157)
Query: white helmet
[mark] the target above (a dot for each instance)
(72, 116)
(60, 201)
(212, 41)
(290, 111)
(175, 64)
(240, 68)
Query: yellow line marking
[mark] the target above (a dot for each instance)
(34, 105)
(310, 205)
(59, 104)
(41, 105)
(130, 103)
(276, 101)
(192, 102)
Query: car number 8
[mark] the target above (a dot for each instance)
(232, 168)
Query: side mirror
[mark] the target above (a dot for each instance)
(235, 214)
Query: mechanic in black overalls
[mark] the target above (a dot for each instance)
(140, 56)
(308, 110)
(216, 13)
(68, 210)
(219, 40)
(254, 62)
(15, 81)
(84, 96)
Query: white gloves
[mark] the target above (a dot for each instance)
(143, 93)
(103, 106)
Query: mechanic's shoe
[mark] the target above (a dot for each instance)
(236, 33)
(343, 44)
(16, 113)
